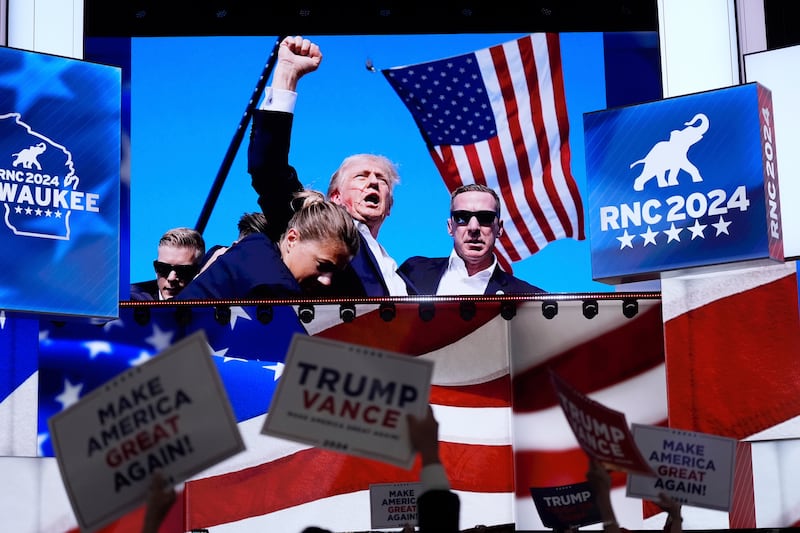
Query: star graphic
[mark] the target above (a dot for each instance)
(229, 359)
(144, 356)
(70, 395)
(625, 240)
(237, 313)
(113, 323)
(41, 438)
(673, 233)
(277, 368)
(649, 236)
(722, 226)
(97, 347)
(2, 319)
(39, 76)
(697, 229)
(160, 339)
(219, 353)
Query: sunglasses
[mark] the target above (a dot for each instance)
(182, 271)
(462, 218)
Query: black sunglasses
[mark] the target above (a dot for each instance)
(182, 271)
(462, 218)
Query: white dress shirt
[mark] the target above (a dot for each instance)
(388, 266)
(278, 100)
(456, 280)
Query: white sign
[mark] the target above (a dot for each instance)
(693, 468)
(170, 413)
(393, 504)
(349, 398)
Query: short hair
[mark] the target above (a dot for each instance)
(476, 187)
(250, 223)
(185, 238)
(317, 219)
(392, 174)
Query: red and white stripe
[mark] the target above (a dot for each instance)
(528, 161)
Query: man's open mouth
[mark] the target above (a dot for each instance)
(373, 199)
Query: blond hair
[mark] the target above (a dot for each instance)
(317, 219)
(184, 238)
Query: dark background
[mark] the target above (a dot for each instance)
(319, 17)
(127, 18)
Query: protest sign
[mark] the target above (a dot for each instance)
(349, 398)
(170, 413)
(393, 504)
(602, 432)
(693, 468)
(566, 506)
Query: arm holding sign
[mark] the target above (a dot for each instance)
(160, 497)
(600, 480)
(438, 507)
(674, 523)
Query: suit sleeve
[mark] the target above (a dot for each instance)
(273, 179)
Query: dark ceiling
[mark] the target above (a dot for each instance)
(257, 17)
(782, 18)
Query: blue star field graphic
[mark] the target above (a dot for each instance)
(59, 185)
(76, 357)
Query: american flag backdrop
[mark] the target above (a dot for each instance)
(498, 117)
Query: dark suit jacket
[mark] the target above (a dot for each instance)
(425, 273)
(253, 268)
(144, 290)
(438, 511)
(275, 181)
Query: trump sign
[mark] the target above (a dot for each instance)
(683, 182)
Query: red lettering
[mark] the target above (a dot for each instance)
(390, 418)
(309, 399)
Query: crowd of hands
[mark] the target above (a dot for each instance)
(424, 438)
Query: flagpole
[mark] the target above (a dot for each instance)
(236, 141)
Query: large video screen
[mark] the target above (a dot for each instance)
(188, 96)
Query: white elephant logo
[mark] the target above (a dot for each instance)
(29, 157)
(667, 158)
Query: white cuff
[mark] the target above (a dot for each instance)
(433, 477)
(278, 100)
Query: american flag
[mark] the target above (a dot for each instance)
(498, 117)
(500, 423)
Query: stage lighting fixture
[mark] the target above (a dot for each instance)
(426, 311)
(347, 312)
(306, 313)
(264, 314)
(387, 311)
(508, 310)
(467, 310)
(183, 315)
(590, 308)
(630, 307)
(549, 309)
(222, 314)
(141, 315)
